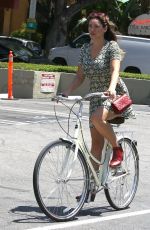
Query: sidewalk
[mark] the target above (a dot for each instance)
(3, 95)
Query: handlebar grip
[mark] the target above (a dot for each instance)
(62, 95)
(68, 98)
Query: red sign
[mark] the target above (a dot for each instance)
(140, 25)
(141, 22)
(13, 4)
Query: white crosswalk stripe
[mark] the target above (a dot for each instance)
(10, 122)
(44, 117)
(27, 122)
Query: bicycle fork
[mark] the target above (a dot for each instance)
(70, 159)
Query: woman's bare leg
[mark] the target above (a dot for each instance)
(99, 120)
(96, 146)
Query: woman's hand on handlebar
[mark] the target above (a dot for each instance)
(111, 93)
(65, 93)
(62, 95)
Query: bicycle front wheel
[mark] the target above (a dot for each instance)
(58, 178)
(122, 184)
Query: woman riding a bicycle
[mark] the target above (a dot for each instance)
(100, 62)
(66, 173)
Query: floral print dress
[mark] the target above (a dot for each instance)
(99, 73)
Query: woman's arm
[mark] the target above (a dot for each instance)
(76, 82)
(115, 68)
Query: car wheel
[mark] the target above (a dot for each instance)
(59, 61)
(132, 69)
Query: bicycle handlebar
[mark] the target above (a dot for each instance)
(69, 98)
(79, 98)
(96, 94)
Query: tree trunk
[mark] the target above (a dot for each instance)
(58, 32)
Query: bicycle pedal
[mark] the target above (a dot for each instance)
(89, 198)
(118, 171)
(93, 195)
(78, 198)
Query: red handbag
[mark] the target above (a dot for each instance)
(121, 103)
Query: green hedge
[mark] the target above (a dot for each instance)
(41, 67)
(67, 69)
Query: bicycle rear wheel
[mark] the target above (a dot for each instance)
(58, 178)
(122, 184)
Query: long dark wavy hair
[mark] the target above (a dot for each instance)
(104, 20)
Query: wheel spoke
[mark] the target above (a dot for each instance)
(122, 188)
(58, 179)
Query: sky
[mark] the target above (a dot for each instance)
(123, 1)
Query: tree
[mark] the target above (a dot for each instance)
(54, 16)
(123, 13)
(58, 18)
(120, 13)
(145, 5)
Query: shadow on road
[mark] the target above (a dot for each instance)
(34, 214)
(31, 214)
(95, 211)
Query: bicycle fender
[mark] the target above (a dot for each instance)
(133, 143)
(67, 141)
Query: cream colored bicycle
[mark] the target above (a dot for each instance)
(63, 172)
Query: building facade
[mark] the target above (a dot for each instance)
(12, 14)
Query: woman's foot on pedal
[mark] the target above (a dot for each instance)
(90, 197)
(78, 198)
(117, 157)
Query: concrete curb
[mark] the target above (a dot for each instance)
(27, 84)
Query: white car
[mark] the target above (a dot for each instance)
(136, 60)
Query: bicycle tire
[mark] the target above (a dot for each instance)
(55, 190)
(120, 192)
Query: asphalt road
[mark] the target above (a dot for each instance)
(26, 127)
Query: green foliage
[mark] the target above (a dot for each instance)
(41, 67)
(135, 75)
(120, 13)
(123, 13)
(27, 34)
(66, 69)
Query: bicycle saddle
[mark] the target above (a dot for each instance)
(117, 120)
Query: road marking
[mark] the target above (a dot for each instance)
(11, 122)
(22, 110)
(92, 221)
(40, 119)
(52, 113)
(27, 122)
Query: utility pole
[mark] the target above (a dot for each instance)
(31, 22)
(32, 9)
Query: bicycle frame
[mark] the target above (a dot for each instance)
(78, 142)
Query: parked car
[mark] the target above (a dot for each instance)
(35, 47)
(136, 60)
(20, 52)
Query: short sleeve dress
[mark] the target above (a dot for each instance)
(99, 73)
